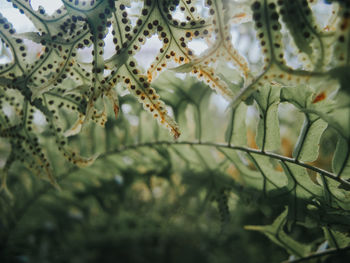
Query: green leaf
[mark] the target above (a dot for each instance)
(276, 233)
(268, 130)
(272, 180)
(301, 191)
(307, 146)
(341, 159)
(336, 239)
(299, 179)
(236, 131)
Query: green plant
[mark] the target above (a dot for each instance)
(273, 146)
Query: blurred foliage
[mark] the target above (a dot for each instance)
(108, 220)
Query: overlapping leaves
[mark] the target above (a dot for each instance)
(56, 79)
(234, 155)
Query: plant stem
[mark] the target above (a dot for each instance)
(232, 147)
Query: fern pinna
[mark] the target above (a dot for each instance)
(256, 147)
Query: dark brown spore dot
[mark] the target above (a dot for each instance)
(272, 6)
(256, 5)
